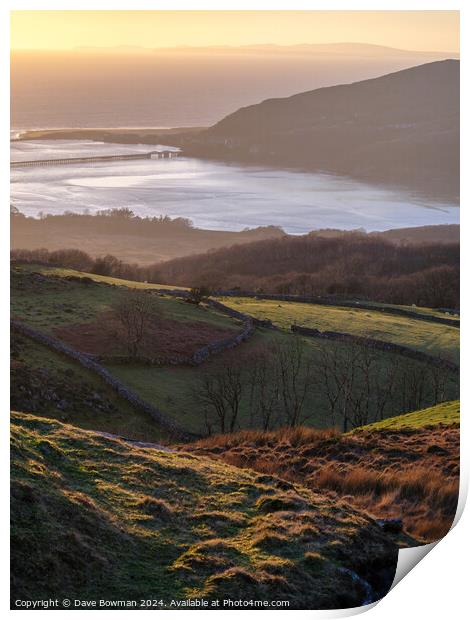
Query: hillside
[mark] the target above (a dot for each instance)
(422, 335)
(48, 384)
(142, 240)
(80, 313)
(201, 84)
(405, 467)
(351, 265)
(424, 234)
(95, 518)
(401, 128)
(446, 414)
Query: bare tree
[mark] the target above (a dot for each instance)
(136, 311)
(414, 386)
(440, 378)
(220, 395)
(264, 390)
(385, 387)
(293, 376)
(356, 383)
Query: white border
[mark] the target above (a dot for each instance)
(439, 586)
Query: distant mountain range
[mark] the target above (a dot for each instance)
(347, 49)
(400, 129)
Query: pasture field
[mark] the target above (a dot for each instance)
(50, 384)
(70, 308)
(175, 388)
(64, 272)
(447, 314)
(47, 302)
(432, 338)
(444, 413)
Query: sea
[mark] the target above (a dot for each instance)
(213, 195)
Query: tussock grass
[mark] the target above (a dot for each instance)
(291, 437)
(405, 467)
(158, 508)
(106, 520)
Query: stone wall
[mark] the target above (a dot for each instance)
(199, 356)
(213, 303)
(380, 345)
(88, 362)
(227, 343)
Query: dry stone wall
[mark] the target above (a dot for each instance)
(380, 345)
(88, 362)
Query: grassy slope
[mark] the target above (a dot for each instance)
(53, 385)
(444, 413)
(51, 302)
(424, 336)
(94, 518)
(63, 272)
(406, 467)
(419, 309)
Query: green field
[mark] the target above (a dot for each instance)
(444, 413)
(53, 385)
(54, 301)
(173, 388)
(433, 338)
(46, 301)
(63, 272)
(417, 309)
(94, 518)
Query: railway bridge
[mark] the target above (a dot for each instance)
(166, 154)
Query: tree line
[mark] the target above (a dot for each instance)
(355, 385)
(118, 221)
(353, 265)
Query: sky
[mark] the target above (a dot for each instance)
(412, 30)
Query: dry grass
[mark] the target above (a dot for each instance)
(404, 472)
(293, 437)
(391, 492)
(94, 517)
(158, 508)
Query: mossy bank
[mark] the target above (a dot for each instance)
(96, 518)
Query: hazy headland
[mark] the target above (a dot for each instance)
(181, 87)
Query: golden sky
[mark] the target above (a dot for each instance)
(416, 30)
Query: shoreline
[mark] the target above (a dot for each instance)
(116, 135)
(191, 148)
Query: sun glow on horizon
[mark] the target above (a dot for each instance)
(66, 30)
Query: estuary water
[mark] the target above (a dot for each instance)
(213, 195)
